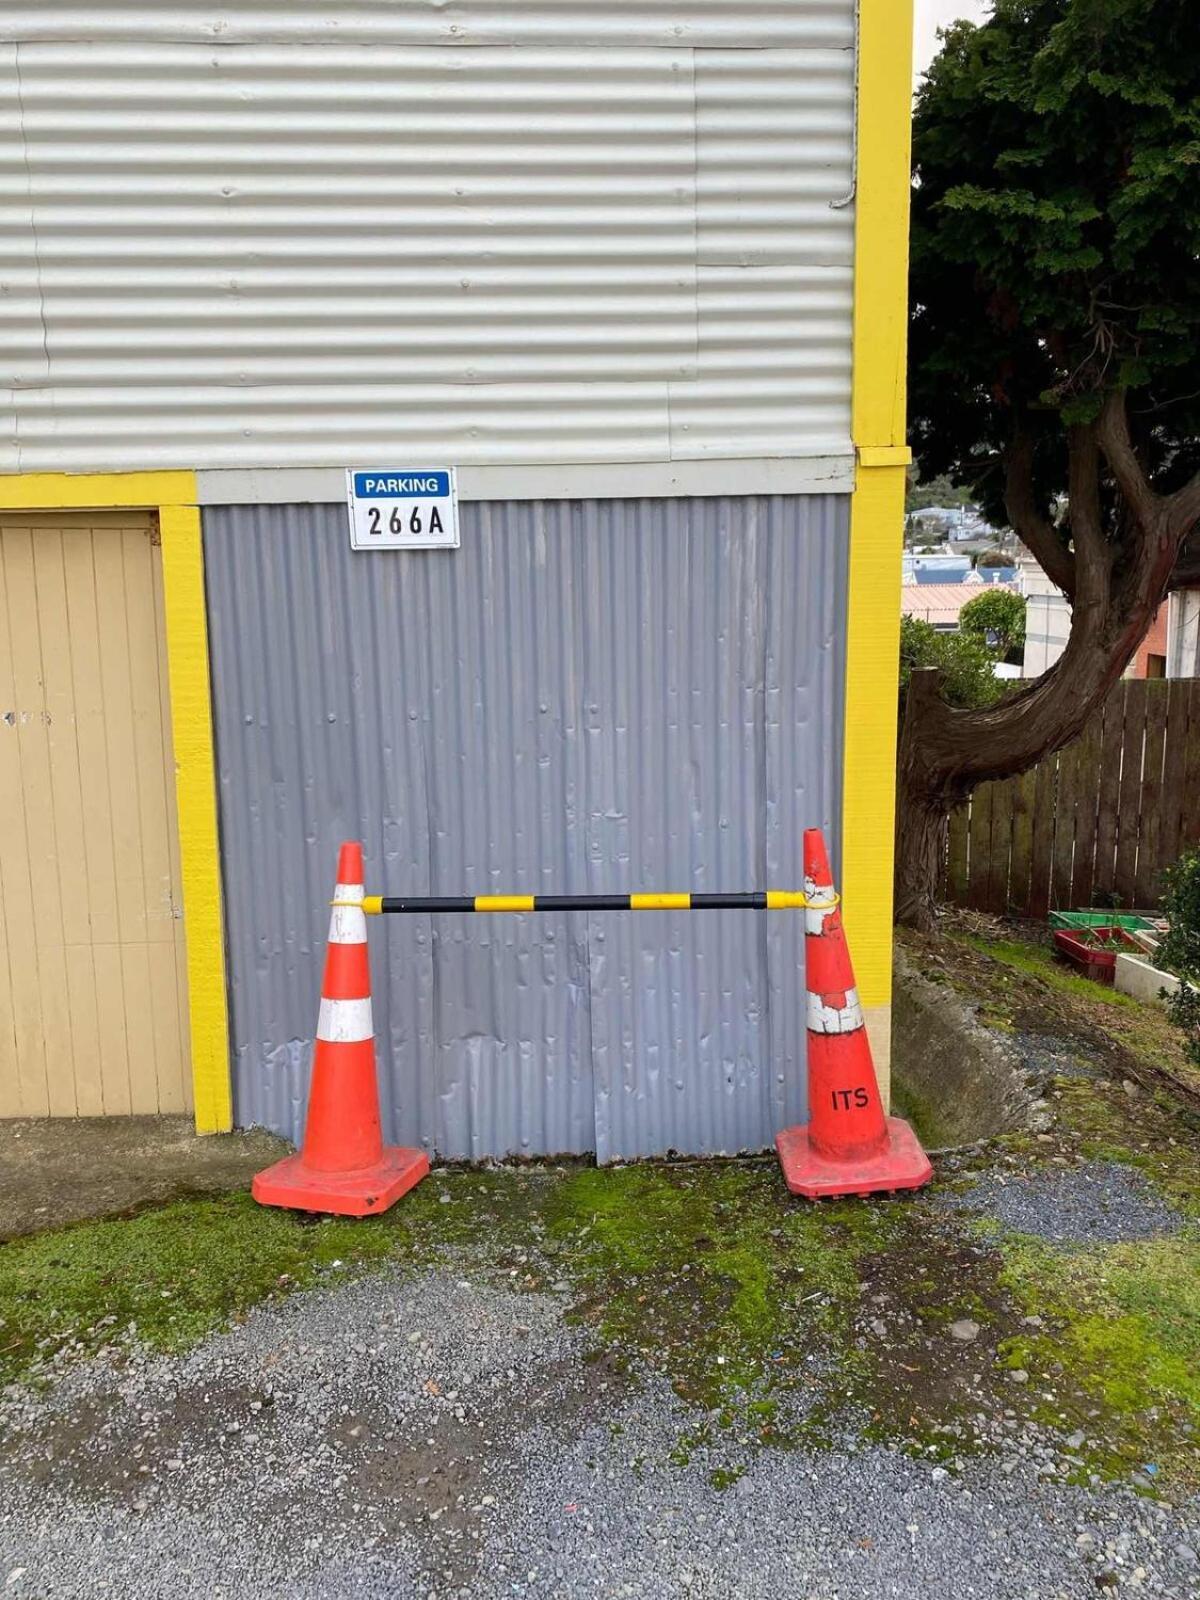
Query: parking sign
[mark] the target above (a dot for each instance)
(402, 508)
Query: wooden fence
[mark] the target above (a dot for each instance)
(1103, 817)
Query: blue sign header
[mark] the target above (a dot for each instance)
(401, 483)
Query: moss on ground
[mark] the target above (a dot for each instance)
(778, 1321)
(1117, 1333)
(173, 1273)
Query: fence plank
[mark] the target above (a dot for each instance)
(1175, 749)
(1001, 845)
(956, 856)
(1087, 794)
(1112, 739)
(1189, 829)
(1125, 876)
(1106, 816)
(1149, 862)
(979, 874)
(1021, 861)
(1064, 828)
(1045, 788)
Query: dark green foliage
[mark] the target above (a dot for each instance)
(1056, 238)
(996, 618)
(1180, 950)
(938, 491)
(966, 662)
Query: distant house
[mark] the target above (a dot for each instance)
(941, 569)
(1171, 648)
(1183, 634)
(938, 604)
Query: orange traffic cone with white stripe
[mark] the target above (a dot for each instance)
(343, 1165)
(847, 1146)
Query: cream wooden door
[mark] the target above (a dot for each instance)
(93, 1000)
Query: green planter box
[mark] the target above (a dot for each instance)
(1101, 919)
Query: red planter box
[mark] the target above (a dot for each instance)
(1076, 944)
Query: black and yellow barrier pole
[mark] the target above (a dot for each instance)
(761, 900)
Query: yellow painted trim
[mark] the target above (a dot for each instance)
(882, 183)
(660, 902)
(877, 506)
(504, 902)
(173, 496)
(195, 786)
(122, 491)
(884, 455)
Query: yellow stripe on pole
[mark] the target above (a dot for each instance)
(786, 900)
(504, 902)
(660, 902)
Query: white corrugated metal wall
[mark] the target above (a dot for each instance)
(285, 235)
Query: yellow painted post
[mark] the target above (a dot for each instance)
(173, 496)
(195, 786)
(877, 506)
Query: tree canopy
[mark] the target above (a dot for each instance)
(997, 618)
(1056, 247)
(1055, 355)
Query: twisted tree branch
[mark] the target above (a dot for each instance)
(1036, 531)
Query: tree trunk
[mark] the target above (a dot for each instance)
(920, 844)
(1116, 572)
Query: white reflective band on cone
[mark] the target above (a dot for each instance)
(832, 1019)
(348, 924)
(345, 1021)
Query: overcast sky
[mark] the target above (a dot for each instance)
(935, 14)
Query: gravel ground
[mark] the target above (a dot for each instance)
(1096, 1202)
(434, 1437)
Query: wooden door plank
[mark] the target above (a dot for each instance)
(145, 681)
(108, 556)
(114, 1043)
(91, 746)
(44, 1002)
(139, 1025)
(22, 1048)
(164, 1010)
(63, 746)
(66, 815)
(86, 1052)
(10, 1076)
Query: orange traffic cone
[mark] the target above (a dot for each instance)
(848, 1146)
(343, 1165)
